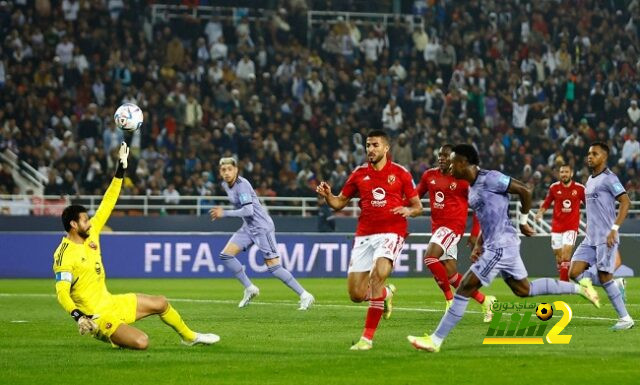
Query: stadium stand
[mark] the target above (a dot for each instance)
(530, 85)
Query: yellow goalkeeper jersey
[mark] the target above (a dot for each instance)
(81, 265)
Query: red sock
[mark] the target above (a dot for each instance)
(564, 271)
(440, 275)
(455, 279)
(455, 282)
(374, 313)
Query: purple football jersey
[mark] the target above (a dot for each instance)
(242, 194)
(489, 199)
(601, 193)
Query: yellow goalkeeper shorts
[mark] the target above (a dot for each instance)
(122, 310)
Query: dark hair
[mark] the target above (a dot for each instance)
(447, 145)
(468, 151)
(565, 165)
(602, 145)
(71, 213)
(378, 134)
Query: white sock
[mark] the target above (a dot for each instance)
(436, 340)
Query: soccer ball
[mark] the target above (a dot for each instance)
(544, 311)
(128, 117)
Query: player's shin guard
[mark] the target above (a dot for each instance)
(172, 318)
(374, 313)
(285, 276)
(440, 275)
(232, 264)
(563, 269)
(455, 280)
(613, 292)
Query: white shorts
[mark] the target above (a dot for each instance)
(368, 248)
(568, 238)
(448, 240)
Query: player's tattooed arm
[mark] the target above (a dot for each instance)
(623, 209)
(336, 202)
(520, 189)
(477, 249)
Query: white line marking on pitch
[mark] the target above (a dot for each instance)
(287, 303)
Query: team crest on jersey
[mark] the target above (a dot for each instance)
(98, 268)
(574, 193)
(93, 245)
(391, 179)
(108, 325)
(453, 185)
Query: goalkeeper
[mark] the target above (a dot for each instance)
(80, 280)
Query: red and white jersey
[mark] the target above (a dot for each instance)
(566, 206)
(448, 199)
(380, 192)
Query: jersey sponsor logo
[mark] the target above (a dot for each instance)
(453, 185)
(566, 206)
(439, 203)
(378, 197)
(592, 196)
(391, 179)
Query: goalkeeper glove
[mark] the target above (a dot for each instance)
(123, 154)
(86, 323)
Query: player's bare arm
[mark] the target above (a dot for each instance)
(520, 189)
(336, 202)
(539, 214)
(413, 210)
(477, 249)
(625, 202)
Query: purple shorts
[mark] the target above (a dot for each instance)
(266, 241)
(601, 256)
(503, 260)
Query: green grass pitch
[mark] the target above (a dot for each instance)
(270, 342)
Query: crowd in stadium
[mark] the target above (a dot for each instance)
(530, 84)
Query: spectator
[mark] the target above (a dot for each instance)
(392, 117)
(633, 112)
(401, 151)
(631, 152)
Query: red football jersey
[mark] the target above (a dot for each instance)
(566, 206)
(448, 199)
(380, 192)
(475, 226)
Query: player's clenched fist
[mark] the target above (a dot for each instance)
(323, 189)
(216, 212)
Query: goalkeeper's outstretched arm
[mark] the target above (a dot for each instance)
(111, 196)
